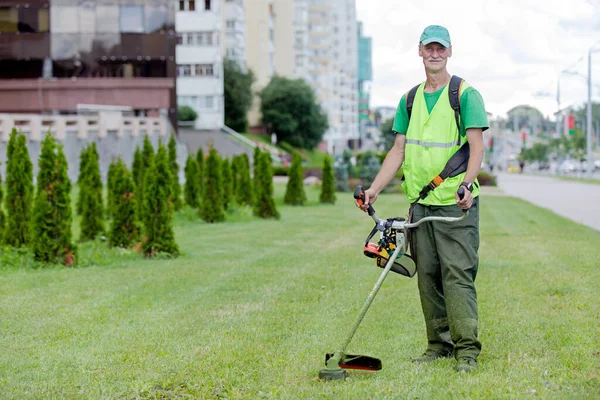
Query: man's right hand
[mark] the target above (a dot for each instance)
(370, 197)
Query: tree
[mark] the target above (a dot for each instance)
(328, 185)
(110, 187)
(19, 192)
(226, 183)
(176, 189)
(146, 160)
(237, 88)
(235, 161)
(255, 158)
(290, 109)
(90, 191)
(264, 206)
(124, 229)
(84, 157)
(52, 216)
(211, 207)
(2, 217)
(387, 136)
(294, 191)
(244, 183)
(158, 213)
(201, 164)
(192, 182)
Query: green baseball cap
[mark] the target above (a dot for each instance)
(437, 34)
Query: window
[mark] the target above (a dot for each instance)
(179, 38)
(87, 18)
(207, 5)
(107, 19)
(189, 39)
(230, 23)
(209, 102)
(64, 19)
(181, 5)
(9, 19)
(191, 5)
(132, 19)
(204, 70)
(184, 70)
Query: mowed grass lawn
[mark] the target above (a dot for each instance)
(251, 307)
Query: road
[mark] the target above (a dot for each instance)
(577, 201)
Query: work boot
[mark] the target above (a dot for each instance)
(466, 364)
(432, 355)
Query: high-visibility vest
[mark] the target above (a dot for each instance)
(431, 139)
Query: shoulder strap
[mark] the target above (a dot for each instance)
(454, 95)
(410, 99)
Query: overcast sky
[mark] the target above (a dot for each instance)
(510, 50)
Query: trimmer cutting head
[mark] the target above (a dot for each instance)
(338, 363)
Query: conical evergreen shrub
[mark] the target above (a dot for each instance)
(19, 192)
(244, 183)
(124, 229)
(110, 188)
(294, 191)
(328, 184)
(84, 158)
(92, 209)
(2, 217)
(158, 213)
(191, 191)
(52, 216)
(176, 189)
(226, 184)
(234, 176)
(147, 159)
(264, 206)
(211, 206)
(255, 158)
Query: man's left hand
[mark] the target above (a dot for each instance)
(467, 200)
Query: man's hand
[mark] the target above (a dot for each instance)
(370, 197)
(467, 200)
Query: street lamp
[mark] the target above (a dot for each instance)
(589, 111)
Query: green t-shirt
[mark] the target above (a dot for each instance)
(472, 111)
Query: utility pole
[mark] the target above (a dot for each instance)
(558, 107)
(590, 162)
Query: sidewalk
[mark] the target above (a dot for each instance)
(577, 201)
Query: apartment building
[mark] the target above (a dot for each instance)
(234, 15)
(200, 60)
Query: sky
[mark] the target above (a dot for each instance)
(511, 51)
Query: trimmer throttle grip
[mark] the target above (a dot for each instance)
(359, 195)
(461, 195)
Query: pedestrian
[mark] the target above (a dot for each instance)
(446, 254)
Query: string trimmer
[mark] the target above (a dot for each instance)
(390, 254)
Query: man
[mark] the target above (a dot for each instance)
(446, 253)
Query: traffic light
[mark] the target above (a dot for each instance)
(523, 138)
(571, 124)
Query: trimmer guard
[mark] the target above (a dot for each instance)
(360, 362)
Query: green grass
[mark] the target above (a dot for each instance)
(251, 307)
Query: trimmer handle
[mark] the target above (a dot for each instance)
(359, 195)
(461, 195)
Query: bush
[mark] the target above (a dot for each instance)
(52, 216)
(191, 190)
(110, 188)
(328, 186)
(19, 193)
(176, 187)
(369, 168)
(2, 217)
(486, 179)
(244, 183)
(124, 230)
(158, 213)
(294, 191)
(201, 163)
(90, 193)
(264, 206)
(146, 161)
(226, 183)
(84, 157)
(186, 114)
(211, 208)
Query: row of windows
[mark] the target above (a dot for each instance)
(207, 38)
(197, 70)
(197, 102)
(190, 5)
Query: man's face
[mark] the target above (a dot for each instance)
(435, 56)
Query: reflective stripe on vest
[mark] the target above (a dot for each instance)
(431, 139)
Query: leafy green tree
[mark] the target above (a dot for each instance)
(90, 190)
(328, 185)
(158, 213)
(176, 189)
(244, 183)
(124, 229)
(264, 206)
(211, 207)
(290, 108)
(19, 192)
(52, 216)
(237, 87)
(294, 191)
(226, 184)
(192, 182)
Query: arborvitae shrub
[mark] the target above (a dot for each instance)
(211, 207)
(328, 184)
(84, 158)
(294, 191)
(147, 160)
(264, 206)
(191, 190)
(52, 216)
(226, 184)
(234, 176)
(244, 183)
(2, 218)
(158, 213)
(19, 192)
(255, 158)
(92, 210)
(124, 230)
(176, 189)
(110, 188)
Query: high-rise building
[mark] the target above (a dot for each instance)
(234, 15)
(56, 56)
(200, 60)
(365, 77)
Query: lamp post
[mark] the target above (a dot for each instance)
(590, 162)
